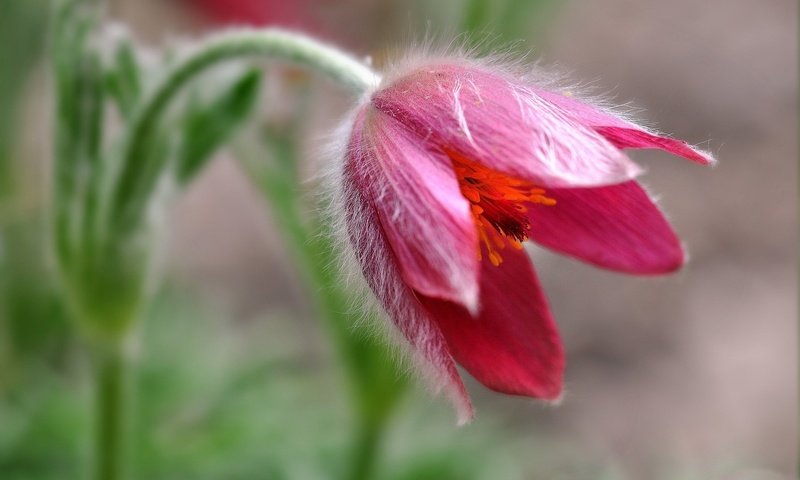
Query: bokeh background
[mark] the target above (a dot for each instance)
(692, 376)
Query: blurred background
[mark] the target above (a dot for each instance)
(691, 376)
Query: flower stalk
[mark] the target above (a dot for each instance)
(273, 44)
(112, 398)
(376, 382)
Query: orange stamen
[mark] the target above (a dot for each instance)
(498, 205)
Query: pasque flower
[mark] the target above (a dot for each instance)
(450, 166)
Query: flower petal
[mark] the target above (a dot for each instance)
(416, 195)
(502, 123)
(513, 345)
(616, 227)
(379, 266)
(623, 133)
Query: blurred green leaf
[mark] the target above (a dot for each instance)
(32, 322)
(477, 14)
(505, 21)
(528, 19)
(22, 25)
(224, 399)
(438, 468)
(37, 325)
(123, 79)
(207, 126)
(80, 97)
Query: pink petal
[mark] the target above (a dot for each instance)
(380, 269)
(498, 121)
(513, 345)
(616, 227)
(623, 133)
(420, 207)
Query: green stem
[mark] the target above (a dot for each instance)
(265, 43)
(111, 410)
(376, 382)
(366, 450)
(371, 424)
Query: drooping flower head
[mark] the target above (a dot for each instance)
(450, 166)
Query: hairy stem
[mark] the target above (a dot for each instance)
(264, 43)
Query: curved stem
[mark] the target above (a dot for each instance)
(267, 43)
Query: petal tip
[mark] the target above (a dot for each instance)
(682, 258)
(556, 398)
(690, 152)
(552, 392)
(708, 158)
(471, 300)
(632, 170)
(465, 418)
(459, 398)
(671, 263)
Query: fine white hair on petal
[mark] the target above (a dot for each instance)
(459, 111)
(519, 67)
(552, 126)
(358, 241)
(567, 150)
(340, 199)
(366, 260)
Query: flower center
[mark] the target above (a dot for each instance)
(498, 205)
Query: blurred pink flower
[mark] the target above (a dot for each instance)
(295, 13)
(449, 167)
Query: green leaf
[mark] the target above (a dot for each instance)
(69, 41)
(123, 80)
(476, 16)
(207, 127)
(22, 30)
(79, 99)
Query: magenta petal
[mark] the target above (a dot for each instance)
(513, 345)
(622, 133)
(503, 124)
(420, 207)
(616, 227)
(381, 272)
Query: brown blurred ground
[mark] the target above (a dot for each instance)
(693, 373)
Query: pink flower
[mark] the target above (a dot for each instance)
(297, 13)
(448, 169)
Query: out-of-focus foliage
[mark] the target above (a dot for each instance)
(32, 326)
(506, 20)
(254, 400)
(107, 186)
(102, 274)
(123, 79)
(207, 125)
(22, 27)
